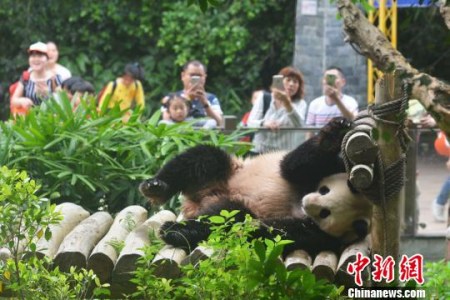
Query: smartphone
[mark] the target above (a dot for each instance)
(277, 82)
(330, 79)
(195, 79)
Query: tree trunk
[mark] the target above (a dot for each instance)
(433, 93)
(386, 216)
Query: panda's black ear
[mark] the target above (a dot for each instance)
(352, 188)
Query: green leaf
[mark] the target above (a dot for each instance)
(260, 250)
(217, 219)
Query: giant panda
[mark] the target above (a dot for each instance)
(303, 194)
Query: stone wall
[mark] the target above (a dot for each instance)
(319, 43)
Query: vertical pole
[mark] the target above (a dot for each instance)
(386, 216)
(410, 207)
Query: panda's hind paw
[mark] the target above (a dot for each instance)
(155, 190)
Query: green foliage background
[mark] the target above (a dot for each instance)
(242, 42)
(90, 157)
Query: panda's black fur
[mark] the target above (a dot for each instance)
(203, 173)
(304, 233)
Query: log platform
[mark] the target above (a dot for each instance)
(111, 248)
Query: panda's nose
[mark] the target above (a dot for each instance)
(361, 228)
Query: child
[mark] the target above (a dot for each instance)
(178, 109)
(126, 90)
(79, 89)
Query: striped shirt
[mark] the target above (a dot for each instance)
(320, 113)
(29, 89)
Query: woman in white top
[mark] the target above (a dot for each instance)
(287, 110)
(53, 65)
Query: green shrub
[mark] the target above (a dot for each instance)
(238, 269)
(86, 154)
(24, 218)
(437, 280)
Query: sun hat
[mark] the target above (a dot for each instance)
(39, 47)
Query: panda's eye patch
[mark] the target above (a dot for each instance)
(323, 190)
(324, 213)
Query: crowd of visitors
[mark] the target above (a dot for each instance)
(283, 107)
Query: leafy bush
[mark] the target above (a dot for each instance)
(238, 269)
(24, 218)
(437, 280)
(85, 155)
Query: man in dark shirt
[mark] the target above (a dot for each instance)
(203, 104)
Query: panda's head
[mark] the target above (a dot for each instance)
(338, 209)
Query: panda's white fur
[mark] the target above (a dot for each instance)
(345, 207)
(259, 185)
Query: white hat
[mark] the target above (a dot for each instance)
(39, 47)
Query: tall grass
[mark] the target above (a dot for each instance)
(86, 154)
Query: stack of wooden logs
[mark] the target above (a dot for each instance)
(90, 241)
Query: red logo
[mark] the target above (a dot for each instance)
(409, 268)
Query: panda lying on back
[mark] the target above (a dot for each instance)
(304, 194)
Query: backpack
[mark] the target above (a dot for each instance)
(442, 145)
(102, 91)
(267, 97)
(12, 88)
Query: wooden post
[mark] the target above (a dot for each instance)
(386, 216)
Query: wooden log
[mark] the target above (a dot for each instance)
(298, 259)
(167, 262)
(361, 176)
(72, 214)
(139, 238)
(325, 265)
(104, 256)
(198, 254)
(78, 244)
(361, 149)
(349, 256)
(133, 250)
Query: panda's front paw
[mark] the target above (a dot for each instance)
(167, 230)
(156, 190)
(339, 125)
(332, 134)
(173, 233)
